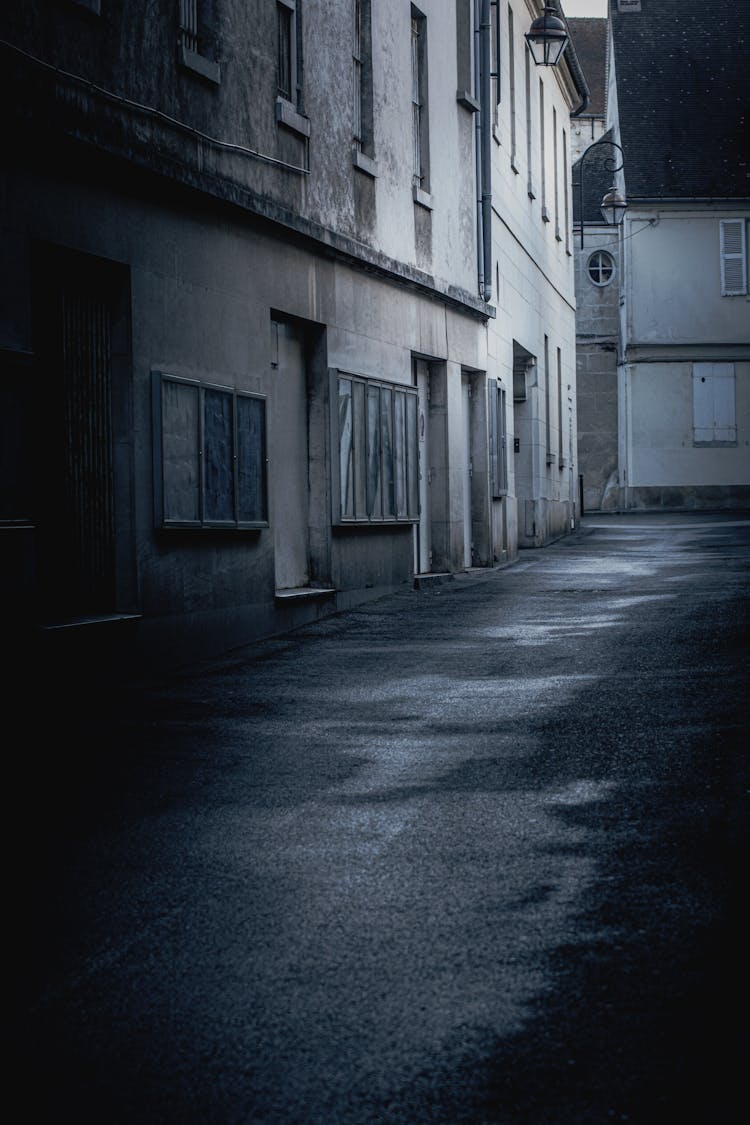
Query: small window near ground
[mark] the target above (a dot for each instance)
(209, 455)
(601, 267)
(377, 472)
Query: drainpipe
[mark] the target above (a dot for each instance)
(485, 67)
(478, 146)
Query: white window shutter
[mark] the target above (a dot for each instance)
(703, 402)
(714, 417)
(725, 428)
(732, 245)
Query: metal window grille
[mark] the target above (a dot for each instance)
(286, 49)
(189, 24)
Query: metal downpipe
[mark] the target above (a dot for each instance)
(485, 67)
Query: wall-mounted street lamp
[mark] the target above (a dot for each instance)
(548, 36)
(614, 204)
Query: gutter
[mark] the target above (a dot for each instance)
(485, 66)
(576, 72)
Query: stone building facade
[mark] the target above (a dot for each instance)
(253, 368)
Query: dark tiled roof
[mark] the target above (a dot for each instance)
(590, 41)
(683, 87)
(599, 162)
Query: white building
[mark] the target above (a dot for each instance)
(532, 339)
(270, 321)
(676, 273)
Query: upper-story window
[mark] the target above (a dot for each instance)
(289, 102)
(542, 155)
(193, 22)
(287, 50)
(512, 84)
(495, 68)
(527, 77)
(363, 130)
(419, 105)
(601, 267)
(733, 253)
(565, 188)
(556, 175)
(465, 55)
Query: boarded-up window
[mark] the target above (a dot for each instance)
(376, 435)
(713, 403)
(210, 455)
(733, 252)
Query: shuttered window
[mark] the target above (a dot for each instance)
(733, 252)
(714, 419)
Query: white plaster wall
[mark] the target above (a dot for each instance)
(536, 285)
(451, 143)
(585, 131)
(660, 430)
(674, 282)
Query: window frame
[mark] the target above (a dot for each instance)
(361, 451)
(512, 90)
(561, 462)
(466, 64)
(727, 257)
(363, 131)
(420, 108)
(542, 155)
(201, 522)
(601, 253)
(497, 418)
(189, 36)
(727, 373)
(290, 103)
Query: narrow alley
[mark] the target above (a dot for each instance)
(465, 854)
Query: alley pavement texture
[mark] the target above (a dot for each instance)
(475, 854)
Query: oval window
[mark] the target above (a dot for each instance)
(601, 267)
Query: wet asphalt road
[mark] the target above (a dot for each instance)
(472, 854)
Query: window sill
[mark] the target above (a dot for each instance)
(545, 215)
(364, 163)
(423, 198)
(304, 594)
(496, 133)
(558, 236)
(287, 115)
(530, 191)
(513, 166)
(207, 527)
(383, 524)
(198, 64)
(468, 101)
(97, 619)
